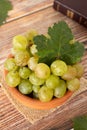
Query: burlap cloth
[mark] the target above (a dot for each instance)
(34, 115)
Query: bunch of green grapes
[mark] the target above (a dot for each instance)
(38, 79)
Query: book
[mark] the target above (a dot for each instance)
(76, 10)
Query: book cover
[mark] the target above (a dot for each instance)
(76, 10)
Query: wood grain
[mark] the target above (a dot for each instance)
(22, 8)
(10, 118)
(39, 17)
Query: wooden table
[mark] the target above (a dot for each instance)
(28, 14)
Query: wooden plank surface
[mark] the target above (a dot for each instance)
(10, 118)
(22, 8)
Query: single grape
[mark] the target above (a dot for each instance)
(13, 79)
(33, 49)
(21, 58)
(25, 87)
(59, 67)
(52, 81)
(30, 35)
(73, 84)
(45, 94)
(20, 42)
(70, 74)
(36, 88)
(42, 71)
(35, 80)
(10, 64)
(79, 69)
(24, 72)
(32, 63)
(60, 90)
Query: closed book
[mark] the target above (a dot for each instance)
(76, 10)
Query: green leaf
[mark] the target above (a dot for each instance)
(5, 6)
(73, 53)
(58, 45)
(80, 123)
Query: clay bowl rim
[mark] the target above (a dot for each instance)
(35, 103)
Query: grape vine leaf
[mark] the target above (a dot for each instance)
(80, 123)
(58, 45)
(5, 6)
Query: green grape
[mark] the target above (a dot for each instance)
(79, 69)
(70, 74)
(58, 67)
(30, 35)
(25, 87)
(10, 64)
(20, 42)
(24, 72)
(21, 58)
(13, 79)
(60, 90)
(14, 51)
(35, 80)
(52, 81)
(32, 63)
(42, 71)
(45, 94)
(36, 88)
(73, 84)
(33, 49)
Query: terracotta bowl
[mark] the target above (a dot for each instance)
(35, 103)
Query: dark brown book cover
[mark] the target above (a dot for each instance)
(76, 10)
